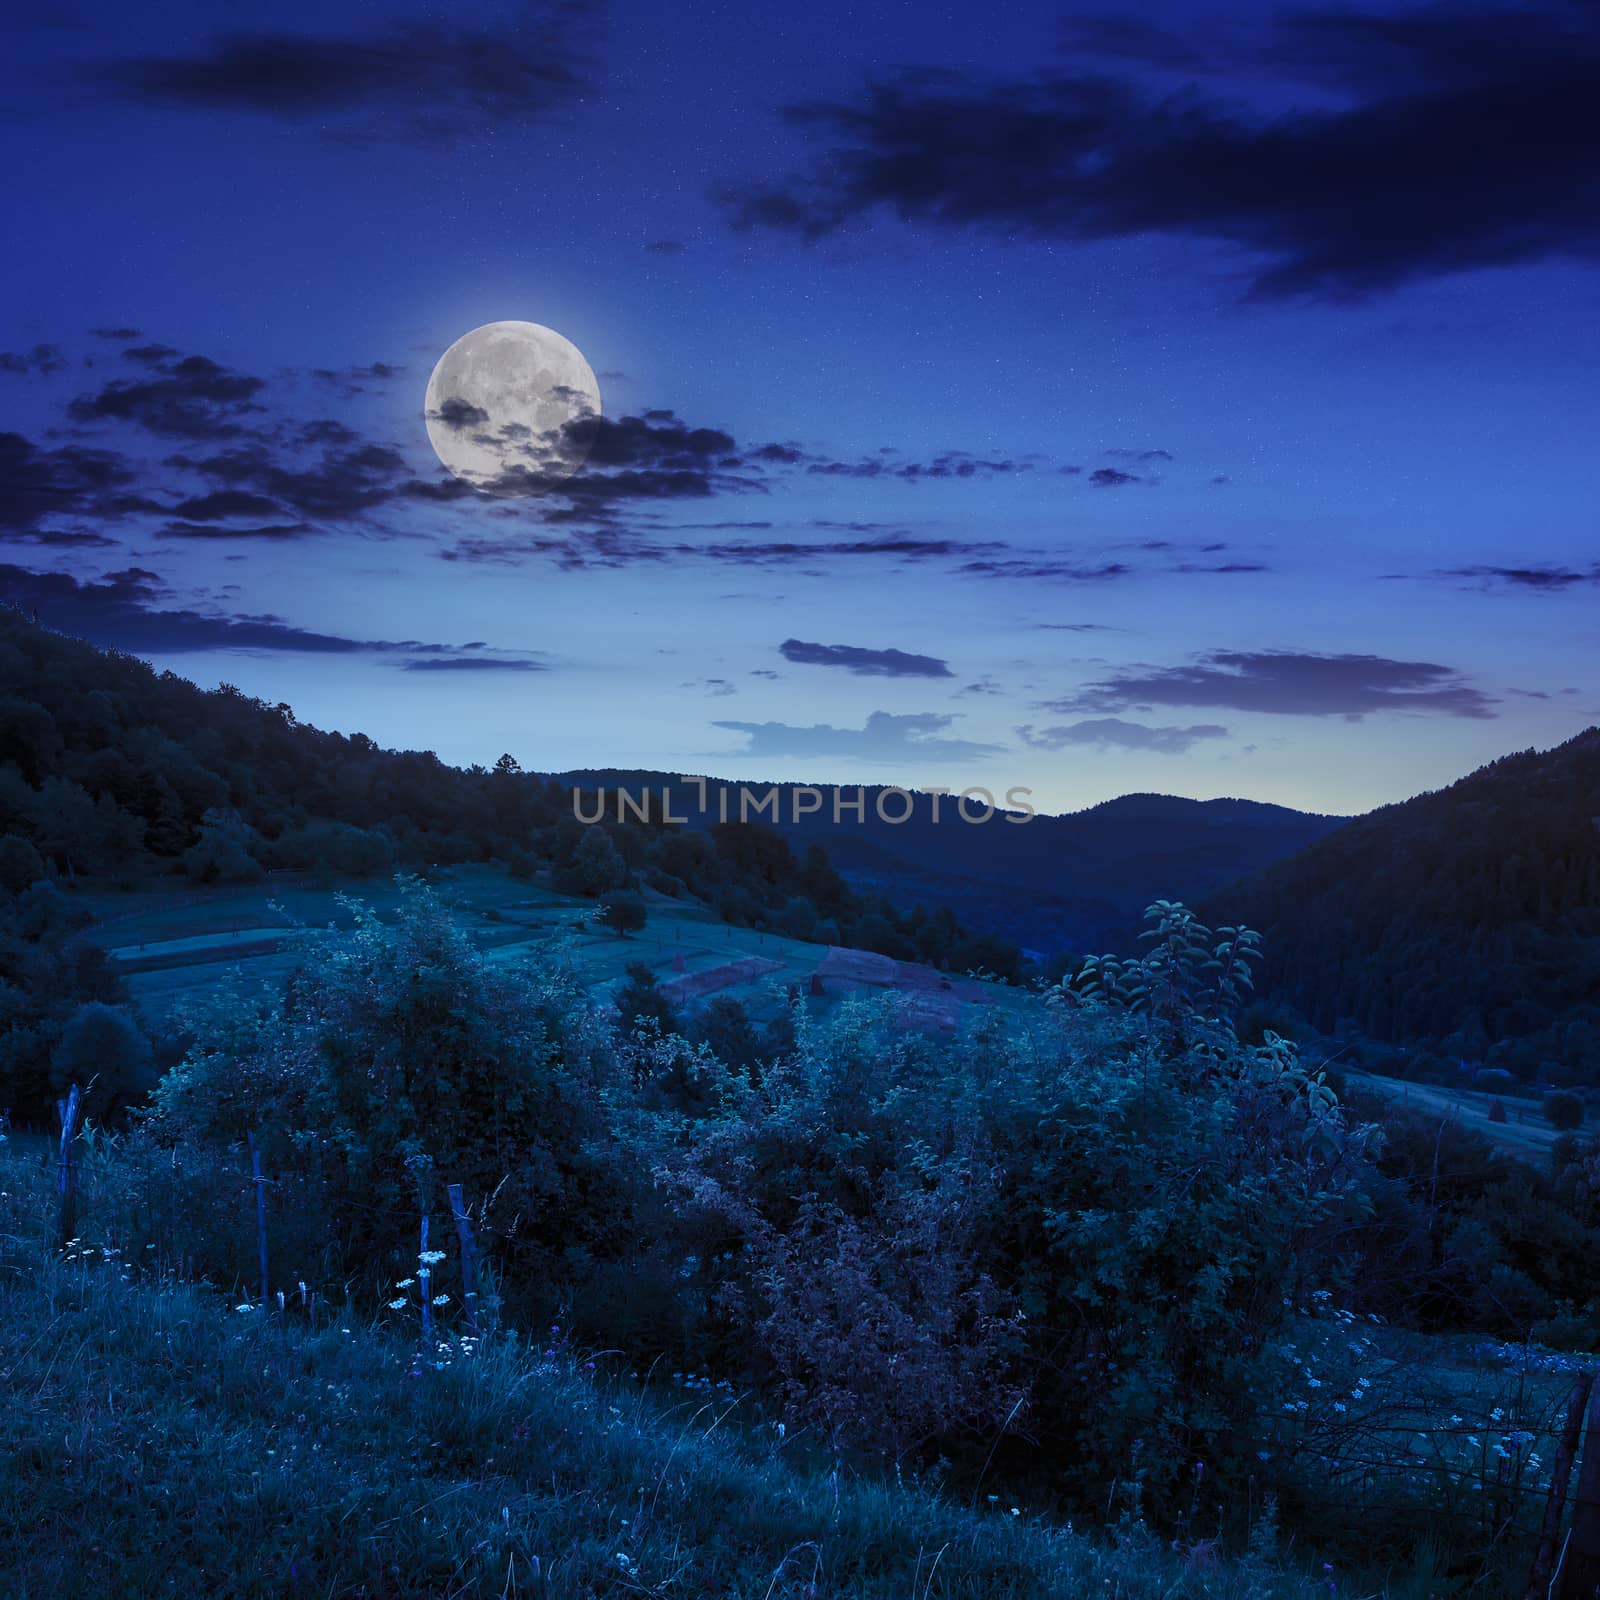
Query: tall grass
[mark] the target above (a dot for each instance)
(157, 1441)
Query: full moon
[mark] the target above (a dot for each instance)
(501, 405)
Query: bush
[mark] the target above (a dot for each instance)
(20, 864)
(103, 1050)
(224, 852)
(396, 1052)
(1115, 1187)
(623, 913)
(1563, 1110)
(596, 864)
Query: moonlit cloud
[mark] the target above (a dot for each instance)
(883, 738)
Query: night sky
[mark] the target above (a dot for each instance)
(1003, 395)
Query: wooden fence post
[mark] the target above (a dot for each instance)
(469, 1255)
(1556, 1503)
(67, 1168)
(425, 1285)
(261, 1213)
(1580, 1566)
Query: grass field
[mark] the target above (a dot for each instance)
(173, 944)
(1524, 1134)
(166, 1438)
(161, 1442)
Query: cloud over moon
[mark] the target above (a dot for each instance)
(863, 662)
(884, 737)
(1287, 683)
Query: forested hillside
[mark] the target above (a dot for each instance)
(114, 771)
(1465, 920)
(1073, 882)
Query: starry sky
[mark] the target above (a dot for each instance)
(1200, 402)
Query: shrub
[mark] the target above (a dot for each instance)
(623, 913)
(20, 864)
(1127, 1195)
(224, 852)
(596, 864)
(1563, 1110)
(103, 1050)
(394, 1046)
(641, 999)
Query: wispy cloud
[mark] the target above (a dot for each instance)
(134, 610)
(417, 83)
(916, 737)
(1287, 683)
(864, 662)
(1110, 733)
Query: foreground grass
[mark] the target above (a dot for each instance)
(159, 1442)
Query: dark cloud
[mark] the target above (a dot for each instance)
(1464, 137)
(68, 481)
(1112, 733)
(458, 414)
(884, 738)
(118, 334)
(125, 611)
(344, 481)
(655, 439)
(226, 503)
(42, 358)
(1048, 569)
(150, 355)
(864, 662)
(1541, 579)
(418, 83)
(71, 539)
(192, 398)
(786, 552)
(1147, 458)
(1287, 683)
(351, 381)
(1134, 39)
(473, 664)
(952, 464)
(232, 530)
(1112, 478)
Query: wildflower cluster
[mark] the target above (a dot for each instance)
(1355, 1421)
(422, 1282)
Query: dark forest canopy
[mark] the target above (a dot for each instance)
(1466, 920)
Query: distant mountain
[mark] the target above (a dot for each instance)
(1467, 918)
(112, 770)
(1068, 882)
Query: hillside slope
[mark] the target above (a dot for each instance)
(1467, 919)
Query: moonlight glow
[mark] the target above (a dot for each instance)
(506, 407)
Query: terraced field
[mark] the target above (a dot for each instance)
(173, 944)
